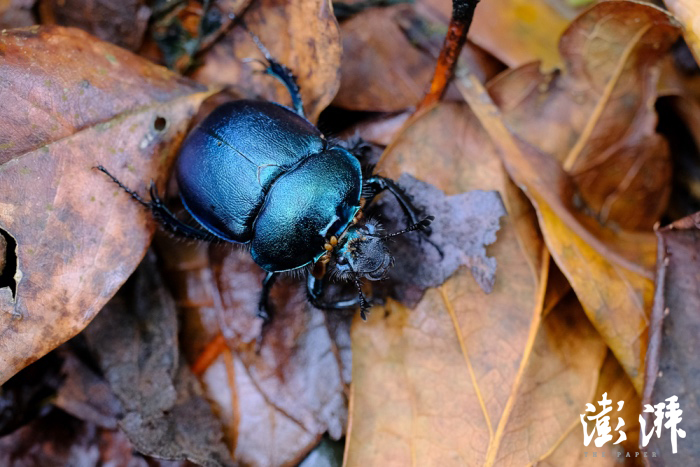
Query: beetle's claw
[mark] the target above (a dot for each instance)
(423, 225)
(363, 314)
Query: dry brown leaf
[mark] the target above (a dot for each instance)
(276, 404)
(416, 400)
(674, 342)
(302, 35)
(5, 281)
(71, 102)
(85, 394)
(571, 450)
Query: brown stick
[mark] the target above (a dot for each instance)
(462, 15)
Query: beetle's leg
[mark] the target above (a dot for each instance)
(264, 308)
(378, 184)
(161, 213)
(282, 73)
(314, 290)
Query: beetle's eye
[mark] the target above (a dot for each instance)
(342, 260)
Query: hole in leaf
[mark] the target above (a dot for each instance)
(7, 275)
(159, 124)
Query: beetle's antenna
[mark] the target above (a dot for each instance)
(364, 304)
(417, 226)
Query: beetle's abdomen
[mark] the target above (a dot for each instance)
(231, 159)
(304, 207)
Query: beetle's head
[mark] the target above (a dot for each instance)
(362, 252)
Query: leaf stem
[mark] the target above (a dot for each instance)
(462, 15)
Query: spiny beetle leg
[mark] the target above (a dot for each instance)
(378, 184)
(282, 73)
(161, 213)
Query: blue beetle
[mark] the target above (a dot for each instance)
(261, 174)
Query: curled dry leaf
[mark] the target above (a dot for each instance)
(674, 339)
(117, 21)
(608, 270)
(135, 342)
(454, 380)
(302, 35)
(598, 118)
(389, 55)
(277, 403)
(72, 102)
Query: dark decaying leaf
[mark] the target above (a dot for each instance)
(135, 342)
(70, 102)
(277, 403)
(58, 439)
(302, 35)
(27, 394)
(121, 22)
(182, 30)
(672, 367)
(464, 225)
(85, 394)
